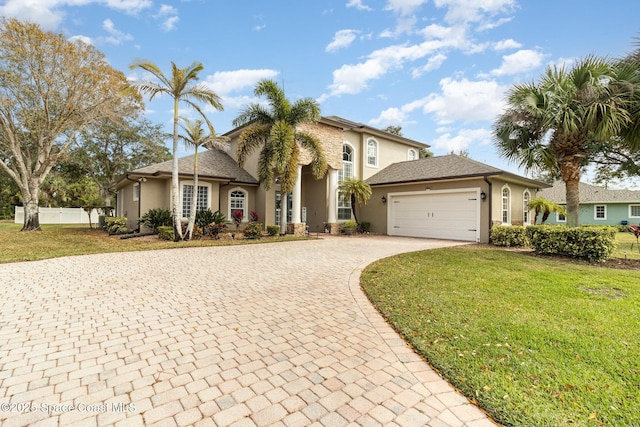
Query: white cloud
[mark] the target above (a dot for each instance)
(166, 10)
(433, 63)
(358, 5)
(225, 82)
(39, 12)
(170, 23)
(462, 140)
(474, 10)
(397, 116)
(169, 16)
(506, 44)
(521, 61)
(353, 78)
(116, 37)
(404, 7)
(341, 39)
(48, 13)
(127, 6)
(466, 100)
(80, 38)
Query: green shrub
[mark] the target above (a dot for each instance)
(253, 230)
(509, 236)
(273, 230)
(364, 227)
(348, 227)
(211, 223)
(165, 232)
(116, 224)
(155, 218)
(591, 243)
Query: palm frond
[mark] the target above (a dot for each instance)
(312, 144)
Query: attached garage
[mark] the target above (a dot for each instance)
(447, 214)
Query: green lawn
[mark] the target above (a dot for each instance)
(624, 249)
(64, 240)
(536, 342)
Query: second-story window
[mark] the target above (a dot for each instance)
(372, 152)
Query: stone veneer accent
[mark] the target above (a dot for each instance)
(297, 229)
(331, 138)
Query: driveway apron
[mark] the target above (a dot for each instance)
(254, 335)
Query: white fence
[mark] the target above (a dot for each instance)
(59, 216)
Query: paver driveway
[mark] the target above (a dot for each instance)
(273, 334)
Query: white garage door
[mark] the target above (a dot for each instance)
(437, 215)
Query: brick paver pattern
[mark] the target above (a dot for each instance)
(254, 335)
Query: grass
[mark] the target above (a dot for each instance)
(624, 249)
(535, 342)
(66, 240)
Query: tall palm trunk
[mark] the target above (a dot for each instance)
(283, 212)
(194, 198)
(175, 185)
(353, 208)
(570, 170)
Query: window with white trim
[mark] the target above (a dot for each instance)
(634, 211)
(136, 192)
(372, 152)
(600, 212)
(526, 196)
(202, 199)
(238, 201)
(344, 206)
(560, 217)
(412, 154)
(506, 204)
(289, 207)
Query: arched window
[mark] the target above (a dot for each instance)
(506, 204)
(344, 207)
(372, 152)
(238, 201)
(412, 154)
(526, 196)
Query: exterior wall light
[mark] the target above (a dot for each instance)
(384, 200)
(483, 195)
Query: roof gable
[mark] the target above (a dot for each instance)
(590, 194)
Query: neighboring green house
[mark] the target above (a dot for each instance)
(599, 206)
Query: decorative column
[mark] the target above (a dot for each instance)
(297, 228)
(296, 195)
(333, 201)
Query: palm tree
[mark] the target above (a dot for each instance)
(196, 137)
(274, 129)
(179, 86)
(546, 206)
(555, 125)
(356, 191)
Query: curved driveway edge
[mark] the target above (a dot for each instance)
(254, 335)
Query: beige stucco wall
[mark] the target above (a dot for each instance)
(517, 201)
(389, 152)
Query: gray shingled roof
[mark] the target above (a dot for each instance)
(359, 127)
(590, 194)
(211, 164)
(450, 166)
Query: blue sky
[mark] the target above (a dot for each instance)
(438, 68)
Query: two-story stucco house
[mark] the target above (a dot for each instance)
(448, 197)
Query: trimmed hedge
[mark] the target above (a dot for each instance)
(165, 232)
(592, 243)
(509, 236)
(273, 230)
(115, 224)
